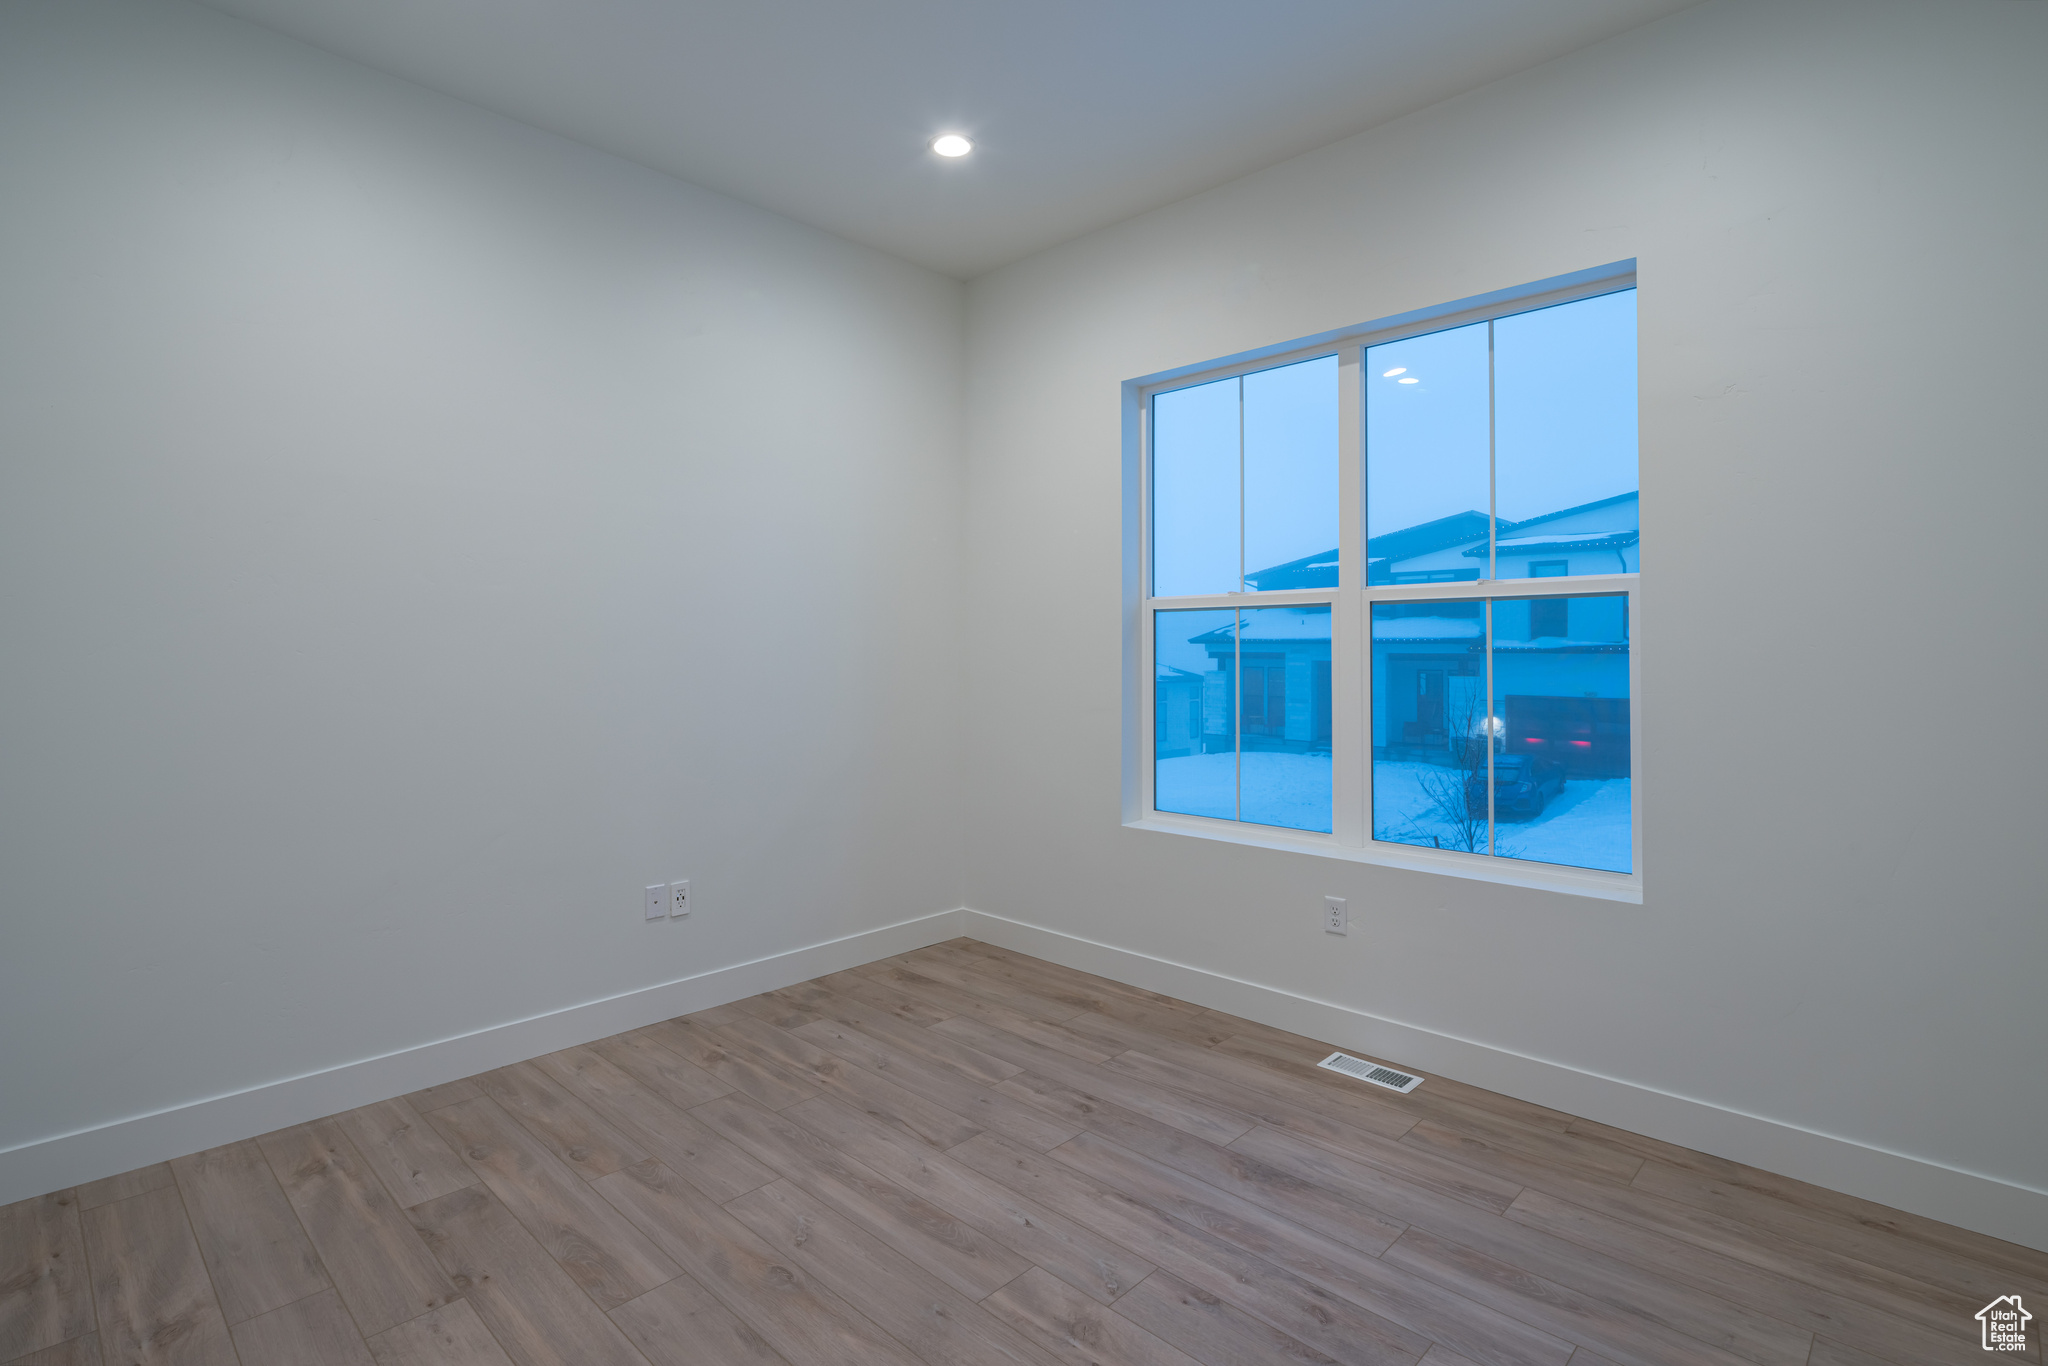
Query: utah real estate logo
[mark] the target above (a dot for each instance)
(2005, 1324)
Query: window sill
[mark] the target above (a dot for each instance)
(1546, 877)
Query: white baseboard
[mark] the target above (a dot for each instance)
(122, 1145)
(1969, 1200)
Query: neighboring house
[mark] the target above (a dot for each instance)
(1560, 681)
(1593, 538)
(1177, 714)
(1283, 695)
(1560, 666)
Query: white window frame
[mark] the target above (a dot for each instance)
(1350, 612)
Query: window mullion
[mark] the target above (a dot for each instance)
(1486, 678)
(1492, 474)
(1241, 565)
(1350, 695)
(1237, 712)
(1237, 630)
(1492, 568)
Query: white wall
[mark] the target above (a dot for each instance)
(1837, 210)
(416, 533)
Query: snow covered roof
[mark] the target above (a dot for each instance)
(1310, 571)
(1273, 623)
(1427, 628)
(1559, 540)
(1287, 628)
(1425, 537)
(1510, 528)
(1567, 538)
(1445, 533)
(1560, 645)
(1470, 630)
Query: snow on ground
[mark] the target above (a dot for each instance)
(1585, 826)
(1279, 789)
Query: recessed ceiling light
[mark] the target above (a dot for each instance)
(1410, 380)
(1397, 370)
(951, 145)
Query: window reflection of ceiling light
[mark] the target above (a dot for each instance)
(1410, 380)
(951, 145)
(1397, 370)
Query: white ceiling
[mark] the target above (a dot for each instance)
(1085, 111)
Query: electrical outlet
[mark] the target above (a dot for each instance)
(657, 901)
(1336, 916)
(679, 898)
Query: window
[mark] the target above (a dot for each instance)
(1389, 585)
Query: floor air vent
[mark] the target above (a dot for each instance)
(1372, 1072)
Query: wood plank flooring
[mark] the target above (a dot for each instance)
(966, 1157)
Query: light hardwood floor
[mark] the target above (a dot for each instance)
(965, 1157)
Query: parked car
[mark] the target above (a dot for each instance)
(1522, 786)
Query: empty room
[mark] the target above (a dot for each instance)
(897, 683)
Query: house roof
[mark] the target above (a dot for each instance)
(1294, 573)
(1568, 540)
(1423, 537)
(1510, 528)
(1272, 624)
(1443, 533)
(1464, 629)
